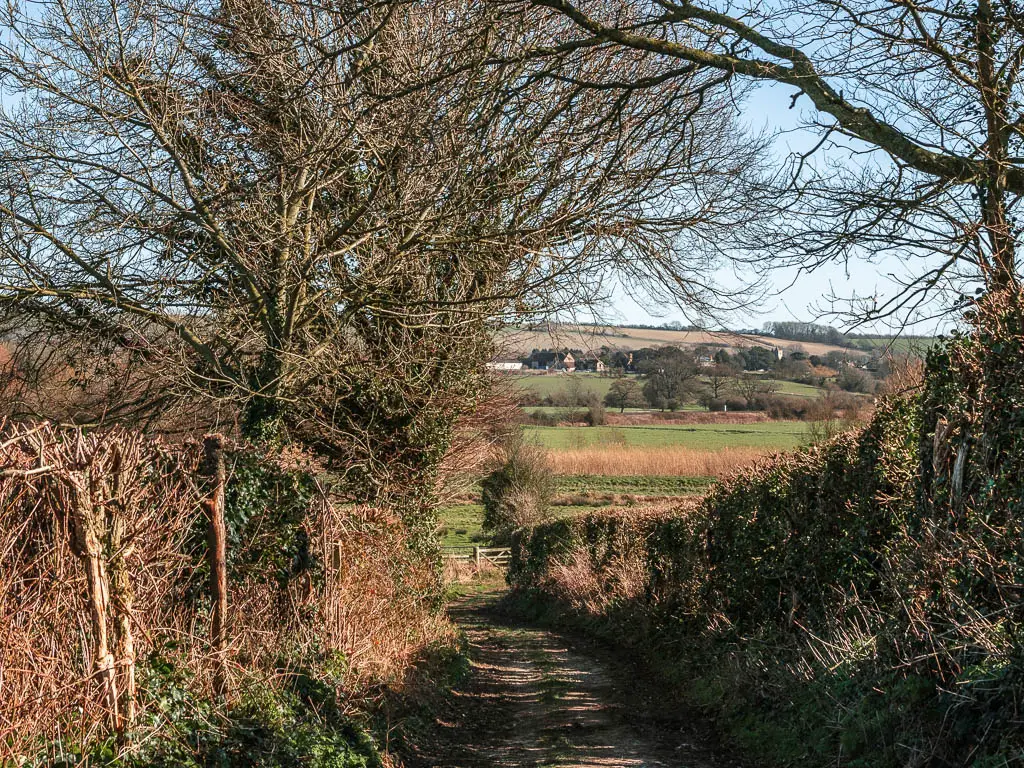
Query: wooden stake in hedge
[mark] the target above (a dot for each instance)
(212, 469)
(122, 596)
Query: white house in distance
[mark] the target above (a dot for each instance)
(505, 366)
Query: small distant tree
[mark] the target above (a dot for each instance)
(793, 369)
(758, 359)
(831, 414)
(750, 386)
(595, 415)
(836, 359)
(852, 379)
(624, 393)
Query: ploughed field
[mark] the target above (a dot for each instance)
(522, 341)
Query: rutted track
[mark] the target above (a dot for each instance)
(533, 699)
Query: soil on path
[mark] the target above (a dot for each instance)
(535, 698)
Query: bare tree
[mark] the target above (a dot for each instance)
(317, 213)
(751, 386)
(918, 109)
(670, 379)
(720, 379)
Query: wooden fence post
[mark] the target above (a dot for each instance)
(122, 599)
(212, 469)
(121, 595)
(476, 556)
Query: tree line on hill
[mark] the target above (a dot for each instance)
(670, 378)
(826, 334)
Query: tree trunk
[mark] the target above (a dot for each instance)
(212, 469)
(87, 537)
(262, 420)
(999, 265)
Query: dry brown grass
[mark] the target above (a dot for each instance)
(590, 580)
(686, 417)
(377, 607)
(589, 337)
(640, 460)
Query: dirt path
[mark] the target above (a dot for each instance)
(533, 699)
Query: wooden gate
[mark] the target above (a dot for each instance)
(497, 557)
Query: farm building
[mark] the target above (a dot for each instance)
(591, 363)
(546, 360)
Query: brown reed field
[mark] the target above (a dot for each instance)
(619, 460)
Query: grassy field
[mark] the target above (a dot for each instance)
(595, 384)
(913, 345)
(565, 410)
(795, 388)
(769, 435)
(560, 383)
(461, 524)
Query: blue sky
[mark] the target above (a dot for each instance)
(791, 295)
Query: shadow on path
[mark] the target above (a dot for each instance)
(533, 698)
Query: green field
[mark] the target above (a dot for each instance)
(461, 523)
(773, 435)
(795, 388)
(566, 411)
(561, 383)
(913, 345)
(595, 384)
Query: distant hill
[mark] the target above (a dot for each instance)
(901, 345)
(591, 338)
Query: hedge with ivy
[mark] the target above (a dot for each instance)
(853, 603)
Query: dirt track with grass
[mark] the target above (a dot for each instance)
(535, 698)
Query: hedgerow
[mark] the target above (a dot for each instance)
(108, 652)
(856, 603)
